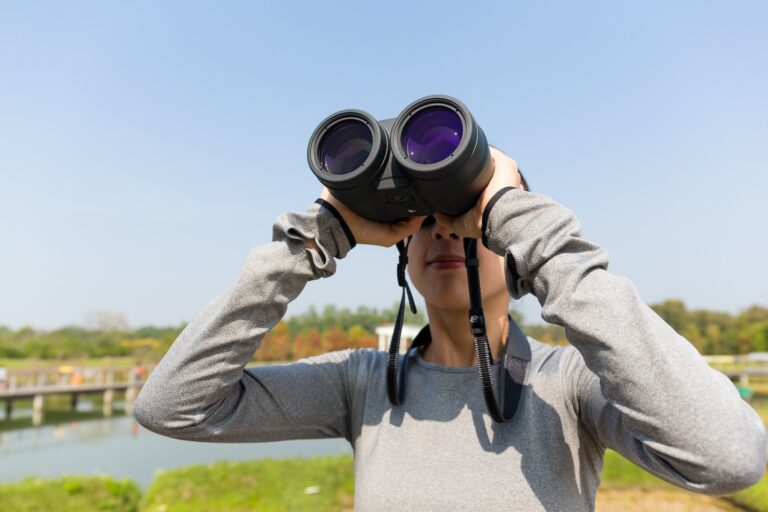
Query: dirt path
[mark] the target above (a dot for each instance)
(662, 500)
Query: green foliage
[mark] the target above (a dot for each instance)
(265, 485)
(315, 332)
(71, 494)
(619, 472)
(320, 483)
(76, 343)
(713, 332)
(344, 318)
(549, 333)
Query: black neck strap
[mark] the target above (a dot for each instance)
(394, 345)
(516, 355)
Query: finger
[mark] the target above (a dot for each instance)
(405, 227)
(386, 234)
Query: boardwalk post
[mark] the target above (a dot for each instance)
(107, 408)
(109, 393)
(744, 379)
(130, 393)
(74, 402)
(8, 408)
(37, 410)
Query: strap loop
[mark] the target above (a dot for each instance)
(477, 323)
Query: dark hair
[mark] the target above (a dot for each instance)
(523, 181)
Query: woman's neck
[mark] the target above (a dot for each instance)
(453, 343)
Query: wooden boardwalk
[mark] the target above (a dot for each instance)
(76, 381)
(73, 381)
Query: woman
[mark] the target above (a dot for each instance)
(628, 382)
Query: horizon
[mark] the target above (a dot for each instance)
(132, 327)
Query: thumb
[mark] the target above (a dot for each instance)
(412, 224)
(464, 225)
(402, 229)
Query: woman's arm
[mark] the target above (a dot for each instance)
(200, 390)
(641, 388)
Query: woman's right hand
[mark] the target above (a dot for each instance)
(384, 234)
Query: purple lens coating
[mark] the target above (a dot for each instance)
(432, 135)
(345, 147)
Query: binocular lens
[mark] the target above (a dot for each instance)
(432, 135)
(345, 147)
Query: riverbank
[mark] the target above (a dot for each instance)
(321, 483)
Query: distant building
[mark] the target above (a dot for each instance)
(407, 334)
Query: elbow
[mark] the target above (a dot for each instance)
(736, 477)
(153, 413)
(737, 465)
(148, 413)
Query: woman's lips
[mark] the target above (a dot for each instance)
(446, 264)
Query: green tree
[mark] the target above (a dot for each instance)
(673, 312)
(693, 335)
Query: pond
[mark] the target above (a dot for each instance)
(120, 448)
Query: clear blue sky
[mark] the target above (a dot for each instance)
(145, 147)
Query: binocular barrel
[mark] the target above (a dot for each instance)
(433, 157)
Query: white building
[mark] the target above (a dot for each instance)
(385, 333)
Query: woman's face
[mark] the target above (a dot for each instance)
(436, 268)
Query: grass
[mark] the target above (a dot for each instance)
(71, 494)
(619, 472)
(755, 498)
(265, 485)
(279, 485)
(321, 483)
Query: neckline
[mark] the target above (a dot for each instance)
(516, 345)
(449, 369)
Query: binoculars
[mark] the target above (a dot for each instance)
(433, 157)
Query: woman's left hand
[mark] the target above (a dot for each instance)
(469, 224)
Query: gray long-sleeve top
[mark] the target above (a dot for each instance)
(628, 382)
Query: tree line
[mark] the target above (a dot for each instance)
(318, 331)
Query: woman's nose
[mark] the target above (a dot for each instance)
(439, 232)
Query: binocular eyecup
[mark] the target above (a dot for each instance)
(433, 157)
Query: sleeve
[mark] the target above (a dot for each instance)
(640, 387)
(201, 391)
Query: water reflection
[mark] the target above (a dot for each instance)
(83, 405)
(121, 448)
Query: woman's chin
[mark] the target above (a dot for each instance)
(449, 300)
